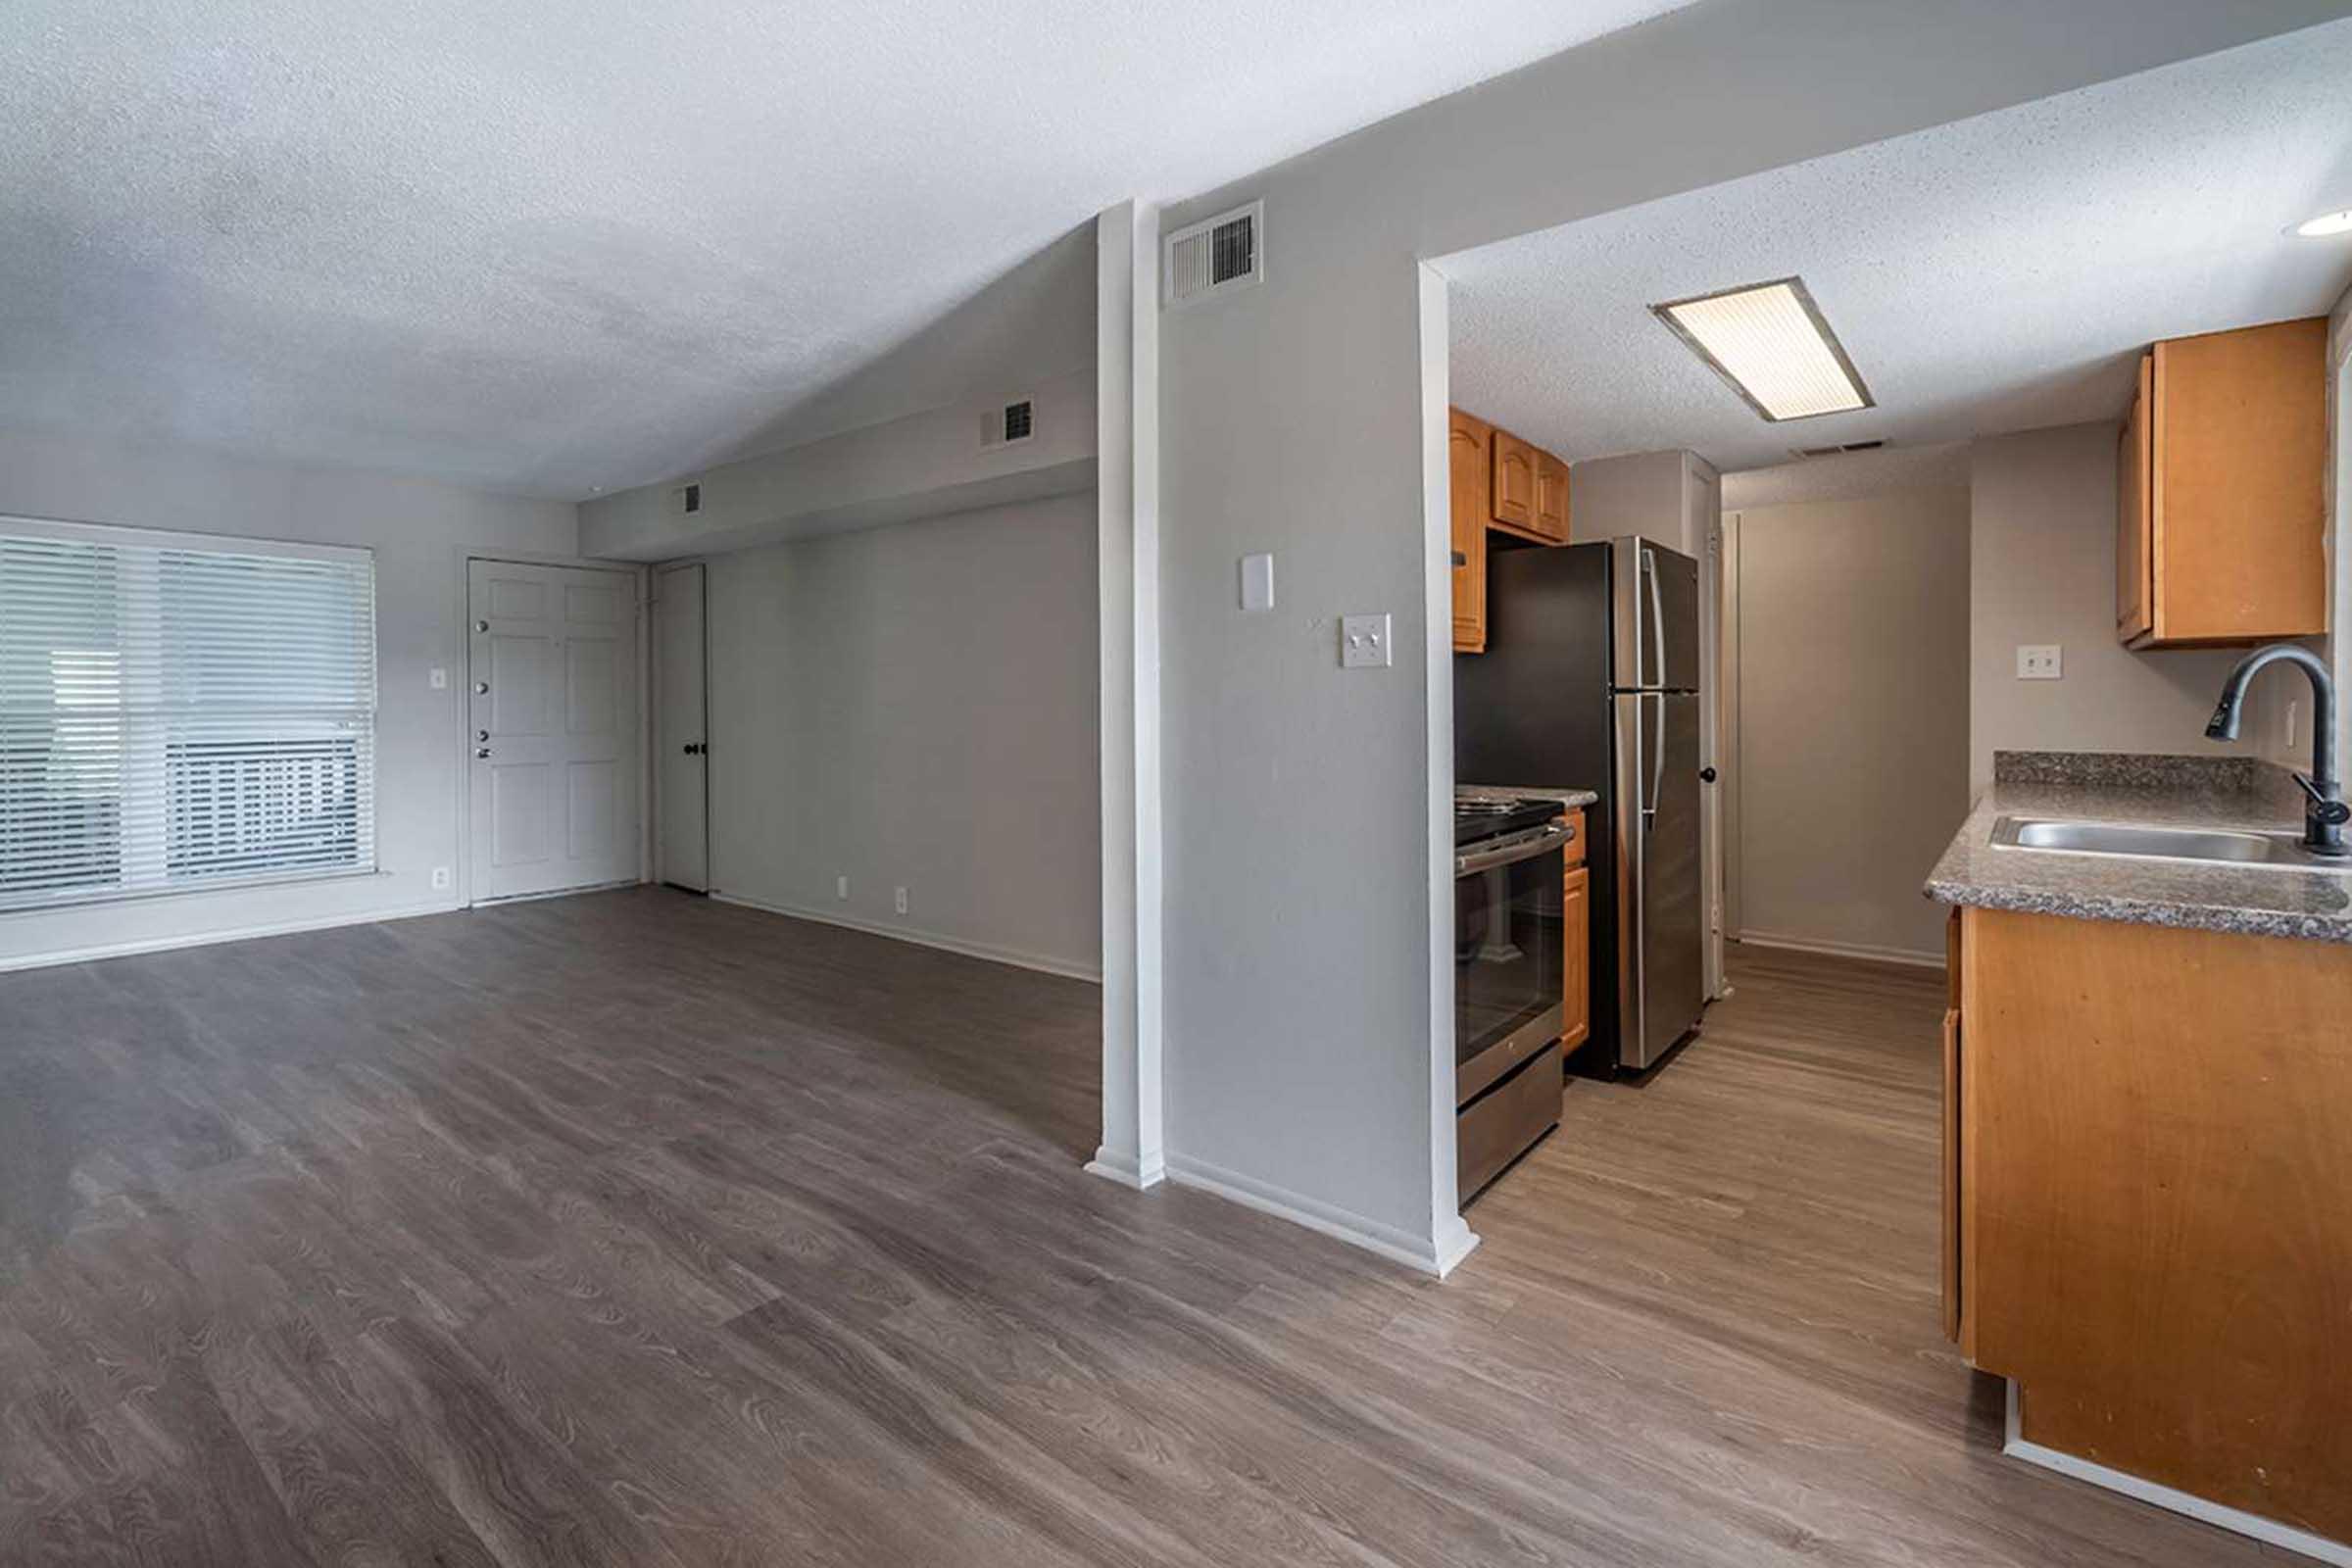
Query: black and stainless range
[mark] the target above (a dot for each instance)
(1508, 955)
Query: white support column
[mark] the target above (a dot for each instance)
(1127, 555)
(1450, 1237)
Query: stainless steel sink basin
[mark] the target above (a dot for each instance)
(2213, 846)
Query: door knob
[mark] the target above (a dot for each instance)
(482, 734)
(482, 625)
(481, 688)
(1706, 775)
(482, 751)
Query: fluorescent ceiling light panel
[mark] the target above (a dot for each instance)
(1769, 341)
(2326, 226)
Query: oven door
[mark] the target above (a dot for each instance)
(1508, 954)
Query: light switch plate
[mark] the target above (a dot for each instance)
(1258, 582)
(439, 679)
(1364, 642)
(2040, 662)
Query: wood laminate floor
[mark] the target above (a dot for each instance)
(640, 1228)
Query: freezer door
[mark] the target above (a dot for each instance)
(1655, 599)
(1672, 933)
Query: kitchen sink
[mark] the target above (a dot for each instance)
(2214, 846)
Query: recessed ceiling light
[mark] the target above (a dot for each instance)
(2326, 224)
(1769, 341)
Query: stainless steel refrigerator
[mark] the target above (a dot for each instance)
(1592, 679)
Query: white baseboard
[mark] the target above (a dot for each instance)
(1414, 1252)
(2268, 1531)
(1040, 962)
(206, 939)
(1843, 950)
(1127, 1170)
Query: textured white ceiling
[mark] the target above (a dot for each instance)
(554, 245)
(1995, 275)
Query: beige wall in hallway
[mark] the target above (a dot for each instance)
(1853, 688)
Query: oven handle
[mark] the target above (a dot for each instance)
(1512, 850)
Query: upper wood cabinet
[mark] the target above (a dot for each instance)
(2220, 489)
(1468, 446)
(1514, 497)
(2133, 527)
(1551, 498)
(1502, 482)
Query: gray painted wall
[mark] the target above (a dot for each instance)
(1853, 716)
(420, 533)
(2042, 571)
(915, 706)
(922, 464)
(1304, 963)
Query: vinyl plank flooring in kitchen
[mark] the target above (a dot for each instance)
(636, 1228)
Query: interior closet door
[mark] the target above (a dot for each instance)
(553, 741)
(681, 722)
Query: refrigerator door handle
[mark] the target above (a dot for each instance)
(1657, 766)
(1657, 617)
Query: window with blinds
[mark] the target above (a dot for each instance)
(178, 714)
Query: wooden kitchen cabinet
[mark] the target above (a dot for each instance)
(1515, 495)
(1468, 450)
(1575, 969)
(1952, 1315)
(1551, 498)
(2147, 1168)
(2220, 489)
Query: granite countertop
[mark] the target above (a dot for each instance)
(2150, 791)
(1527, 792)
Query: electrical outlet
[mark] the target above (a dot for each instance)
(439, 679)
(2040, 662)
(900, 900)
(841, 886)
(440, 879)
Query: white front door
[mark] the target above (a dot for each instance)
(681, 726)
(553, 733)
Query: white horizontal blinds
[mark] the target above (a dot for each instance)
(174, 716)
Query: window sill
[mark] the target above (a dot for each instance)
(102, 901)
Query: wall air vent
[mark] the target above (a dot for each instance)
(1009, 425)
(1215, 255)
(687, 498)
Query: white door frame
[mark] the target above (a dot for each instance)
(462, 851)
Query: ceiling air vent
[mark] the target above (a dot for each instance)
(1008, 426)
(1215, 255)
(1835, 451)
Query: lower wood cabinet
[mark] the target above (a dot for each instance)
(2148, 1169)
